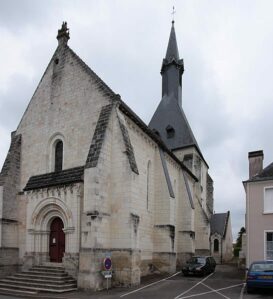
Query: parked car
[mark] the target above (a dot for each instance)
(199, 265)
(259, 275)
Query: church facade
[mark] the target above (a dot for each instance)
(86, 178)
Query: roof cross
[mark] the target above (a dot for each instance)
(173, 12)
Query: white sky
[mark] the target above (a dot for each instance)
(227, 47)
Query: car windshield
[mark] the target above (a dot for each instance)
(262, 267)
(197, 260)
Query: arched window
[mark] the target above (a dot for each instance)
(58, 156)
(216, 245)
(148, 184)
(170, 131)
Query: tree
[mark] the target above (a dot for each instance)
(238, 244)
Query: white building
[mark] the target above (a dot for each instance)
(85, 177)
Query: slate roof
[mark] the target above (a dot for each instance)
(264, 175)
(53, 179)
(218, 223)
(169, 113)
(172, 50)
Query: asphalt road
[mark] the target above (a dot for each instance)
(227, 282)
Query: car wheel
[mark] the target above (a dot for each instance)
(185, 273)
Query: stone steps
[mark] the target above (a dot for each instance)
(44, 278)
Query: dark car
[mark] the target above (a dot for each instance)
(259, 275)
(199, 265)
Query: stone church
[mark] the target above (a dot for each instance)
(86, 178)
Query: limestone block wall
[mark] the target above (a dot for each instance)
(9, 233)
(9, 179)
(185, 223)
(162, 195)
(202, 226)
(9, 187)
(143, 189)
(66, 94)
(8, 261)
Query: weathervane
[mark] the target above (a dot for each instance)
(173, 12)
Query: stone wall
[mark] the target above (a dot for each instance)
(8, 261)
(9, 187)
(68, 93)
(125, 267)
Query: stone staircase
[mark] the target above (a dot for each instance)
(44, 278)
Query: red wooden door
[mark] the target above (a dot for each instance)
(56, 241)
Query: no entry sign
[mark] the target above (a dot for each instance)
(107, 263)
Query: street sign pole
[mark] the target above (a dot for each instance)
(107, 263)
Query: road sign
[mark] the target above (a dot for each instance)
(107, 262)
(107, 274)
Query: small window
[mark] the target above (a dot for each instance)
(268, 200)
(216, 245)
(170, 131)
(269, 245)
(59, 156)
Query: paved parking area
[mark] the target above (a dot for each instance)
(227, 282)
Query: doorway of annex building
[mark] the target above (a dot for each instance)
(56, 240)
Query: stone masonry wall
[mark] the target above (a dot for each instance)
(66, 94)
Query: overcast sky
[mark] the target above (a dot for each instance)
(227, 47)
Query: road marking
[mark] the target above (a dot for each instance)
(149, 285)
(242, 291)
(205, 293)
(215, 291)
(178, 297)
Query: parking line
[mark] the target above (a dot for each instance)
(215, 291)
(149, 285)
(178, 297)
(242, 291)
(205, 293)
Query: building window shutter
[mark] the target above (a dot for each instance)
(268, 200)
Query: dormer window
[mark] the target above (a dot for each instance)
(58, 156)
(170, 131)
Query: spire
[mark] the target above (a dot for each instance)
(63, 34)
(172, 50)
(169, 120)
(172, 70)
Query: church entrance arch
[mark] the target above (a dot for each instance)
(56, 240)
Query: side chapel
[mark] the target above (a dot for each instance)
(85, 177)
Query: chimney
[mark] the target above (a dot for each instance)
(255, 163)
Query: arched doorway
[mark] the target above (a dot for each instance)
(216, 245)
(56, 240)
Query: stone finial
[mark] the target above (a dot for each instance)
(63, 34)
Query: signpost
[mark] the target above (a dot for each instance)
(107, 263)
